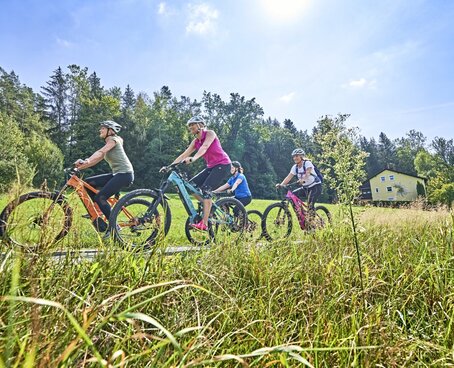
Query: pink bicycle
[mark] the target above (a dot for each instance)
(277, 222)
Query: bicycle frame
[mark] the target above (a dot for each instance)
(299, 207)
(184, 188)
(82, 188)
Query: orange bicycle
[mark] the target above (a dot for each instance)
(46, 217)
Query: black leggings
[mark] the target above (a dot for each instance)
(210, 178)
(245, 201)
(109, 184)
(312, 194)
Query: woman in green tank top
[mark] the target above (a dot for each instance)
(122, 171)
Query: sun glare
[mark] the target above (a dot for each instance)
(284, 10)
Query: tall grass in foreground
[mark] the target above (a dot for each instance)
(281, 304)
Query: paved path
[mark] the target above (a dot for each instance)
(90, 254)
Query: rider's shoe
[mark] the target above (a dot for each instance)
(200, 226)
(87, 216)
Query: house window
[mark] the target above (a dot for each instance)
(389, 189)
(391, 177)
(390, 198)
(376, 190)
(382, 178)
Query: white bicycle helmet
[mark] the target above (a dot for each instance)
(299, 152)
(111, 125)
(197, 119)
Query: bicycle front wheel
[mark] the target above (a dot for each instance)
(197, 237)
(277, 222)
(35, 219)
(133, 225)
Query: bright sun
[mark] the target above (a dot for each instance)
(284, 10)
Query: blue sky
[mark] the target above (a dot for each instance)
(389, 63)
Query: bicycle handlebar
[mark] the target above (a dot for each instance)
(171, 167)
(72, 171)
(222, 194)
(290, 186)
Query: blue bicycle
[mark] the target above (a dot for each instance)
(151, 215)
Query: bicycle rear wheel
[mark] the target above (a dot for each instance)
(277, 222)
(35, 219)
(229, 220)
(322, 217)
(132, 226)
(254, 225)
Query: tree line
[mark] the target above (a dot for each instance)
(44, 131)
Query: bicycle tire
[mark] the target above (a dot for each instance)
(251, 228)
(202, 238)
(230, 223)
(8, 224)
(323, 217)
(287, 216)
(144, 197)
(227, 222)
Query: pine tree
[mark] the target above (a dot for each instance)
(290, 126)
(55, 96)
(386, 152)
(128, 99)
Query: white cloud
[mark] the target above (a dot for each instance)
(284, 10)
(64, 43)
(361, 83)
(202, 19)
(162, 8)
(287, 98)
(358, 83)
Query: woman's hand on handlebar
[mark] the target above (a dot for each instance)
(80, 162)
(165, 169)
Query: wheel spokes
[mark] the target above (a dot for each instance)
(134, 227)
(35, 221)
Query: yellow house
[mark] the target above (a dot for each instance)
(391, 185)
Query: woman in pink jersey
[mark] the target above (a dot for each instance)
(207, 145)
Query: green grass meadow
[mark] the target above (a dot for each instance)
(295, 303)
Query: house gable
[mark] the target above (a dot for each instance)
(392, 185)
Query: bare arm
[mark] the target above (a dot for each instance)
(208, 140)
(186, 153)
(222, 188)
(306, 175)
(96, 157)
(235, 185)
(286, 179)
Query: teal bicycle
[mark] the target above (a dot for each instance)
(151, 215)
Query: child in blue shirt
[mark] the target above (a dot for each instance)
(237, 184)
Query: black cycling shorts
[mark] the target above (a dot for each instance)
(312, 194)
(211, 178)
